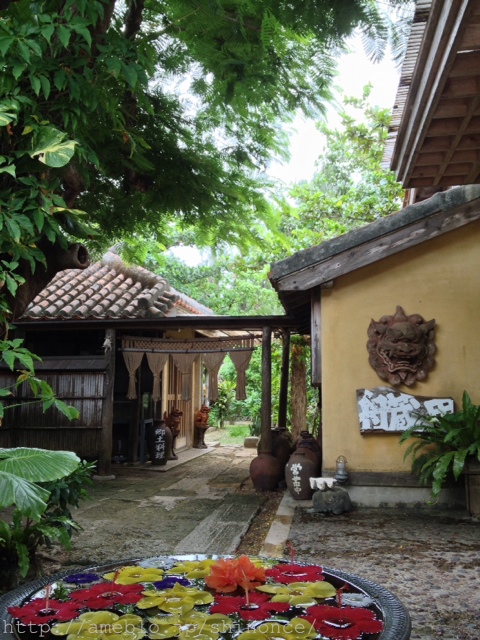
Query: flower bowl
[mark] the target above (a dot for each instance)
(200, 597)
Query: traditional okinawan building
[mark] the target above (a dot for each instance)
(122, 346)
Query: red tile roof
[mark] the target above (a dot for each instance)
(110, 289)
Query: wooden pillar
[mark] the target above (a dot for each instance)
(105, 457)
(266, 409)
(316, 337)
(283, 398)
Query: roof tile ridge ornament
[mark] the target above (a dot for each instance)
(151, 295)
(147, 278)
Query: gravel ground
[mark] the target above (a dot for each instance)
(429, 560)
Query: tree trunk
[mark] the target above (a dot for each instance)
(298, 390)
(58, 259)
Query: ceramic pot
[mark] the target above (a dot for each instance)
(307, 443)
(158, 437)
(265, 471)
(298, 471)
(282, 446)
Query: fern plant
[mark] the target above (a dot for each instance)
(444, 444)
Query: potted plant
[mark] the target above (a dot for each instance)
(447, 443)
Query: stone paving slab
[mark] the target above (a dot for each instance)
(428, 558)
(194, 507)
(222, 530)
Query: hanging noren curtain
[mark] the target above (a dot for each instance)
(156, 362)
(213, 362)
(184, 363)
(133, 360)
(241, 360)
(184, 353)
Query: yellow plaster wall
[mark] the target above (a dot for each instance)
(437, 279)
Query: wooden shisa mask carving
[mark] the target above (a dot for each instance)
(401, 348)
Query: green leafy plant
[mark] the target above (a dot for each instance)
(67, 493)
(443, 444)
(37, 489)
(222, 406)
(14, 356)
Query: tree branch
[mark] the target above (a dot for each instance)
(133, 18)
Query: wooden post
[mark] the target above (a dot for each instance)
(316, 337)
(105, 457)
(266, 410)
(283, 398)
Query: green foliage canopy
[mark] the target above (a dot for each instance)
(350, 187)
(94, 116)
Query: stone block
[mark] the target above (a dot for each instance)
(334, 501)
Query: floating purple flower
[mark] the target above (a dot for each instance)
(171, 581)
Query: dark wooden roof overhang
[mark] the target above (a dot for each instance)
(218, 323)
(434, 138)
(299, 277)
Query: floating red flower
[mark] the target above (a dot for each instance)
(342, 624)
(287, 573)
(106, 595)
(257, 606)
(40, 612)
(226, 575)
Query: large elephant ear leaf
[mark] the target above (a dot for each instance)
(38, 465)
(28, 498)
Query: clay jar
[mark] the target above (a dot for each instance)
(265, 471)
(159, 440)
(282, 447)
(307, 443)
(302, 466)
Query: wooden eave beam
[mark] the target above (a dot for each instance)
(443, 34)
(378, 248)
(240, 323)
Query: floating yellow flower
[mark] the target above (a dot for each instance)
(101, 625)
(301, 594)
(193, 625)
(198, 626)
(134, 574)
(295, 629)
(178, 599)
(192, 569)
(164, 627)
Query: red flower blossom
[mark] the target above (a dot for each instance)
(226, 575)
(342, 624)
(39, 611)
(106, 595)
(256, 607)
(287, 573)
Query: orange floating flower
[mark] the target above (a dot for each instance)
(226, 575)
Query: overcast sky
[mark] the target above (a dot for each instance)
(355, 71)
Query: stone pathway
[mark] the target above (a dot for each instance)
(178, 509)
